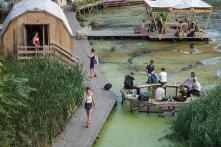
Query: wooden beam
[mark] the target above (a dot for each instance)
(189, 10)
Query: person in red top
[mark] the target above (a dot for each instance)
(36, 40)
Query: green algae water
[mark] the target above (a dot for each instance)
(125, 128)
(120, 57)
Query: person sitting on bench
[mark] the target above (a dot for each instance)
(129, 83)
(191, 33)
(160, 93)
(195, 89)
(189, 81)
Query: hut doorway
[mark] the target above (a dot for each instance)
(42, 32)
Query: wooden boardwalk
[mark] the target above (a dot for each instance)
(107, 3)
(100, 34)
(103, 34)
(75, 133)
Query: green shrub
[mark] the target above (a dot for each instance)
(37, 98)
(199, 122)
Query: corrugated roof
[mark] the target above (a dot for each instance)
(36, 5)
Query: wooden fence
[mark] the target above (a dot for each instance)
(47, 51)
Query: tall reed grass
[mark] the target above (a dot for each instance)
(36, 100)
(198, 123)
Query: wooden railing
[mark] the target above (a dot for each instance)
(47, 51)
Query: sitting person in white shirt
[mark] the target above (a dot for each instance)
(163, 76)
(160, 94)
(195, 89)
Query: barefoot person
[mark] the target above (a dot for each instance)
(92, 63)
(89, 103)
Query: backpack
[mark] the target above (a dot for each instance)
(153, 78)
(107, 86)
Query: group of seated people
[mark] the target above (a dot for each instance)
(189, 87)
(186, 28)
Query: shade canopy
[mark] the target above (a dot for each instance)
(197, 6)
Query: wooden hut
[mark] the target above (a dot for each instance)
(30, 16)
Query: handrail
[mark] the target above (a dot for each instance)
(52, 49)
(68, 54)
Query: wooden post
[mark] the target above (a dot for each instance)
(122, 100)
(165, 90)
(208, 20)
(164, 24)
(131, 105)
(43, 43)
(25, 41)
(176, 91)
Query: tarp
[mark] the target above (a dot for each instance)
(177, 4)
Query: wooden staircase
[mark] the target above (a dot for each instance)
(48, 51)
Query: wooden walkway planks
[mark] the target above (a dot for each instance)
(75, 134)
(97, 33)
(103, 34)
(107, 34)
(108, 3)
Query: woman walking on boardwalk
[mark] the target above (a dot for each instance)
(93, 61)
(89, 103)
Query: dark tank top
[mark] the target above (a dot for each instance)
(92, 59)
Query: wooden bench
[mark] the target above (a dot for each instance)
(133, 99)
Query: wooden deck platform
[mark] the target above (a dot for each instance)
(75, 133)
(151, 105)
(106, 4)
(122, 35)
(116, 35)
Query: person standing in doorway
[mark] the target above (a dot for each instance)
(92, 64)
(89, 103)
(36, 40)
